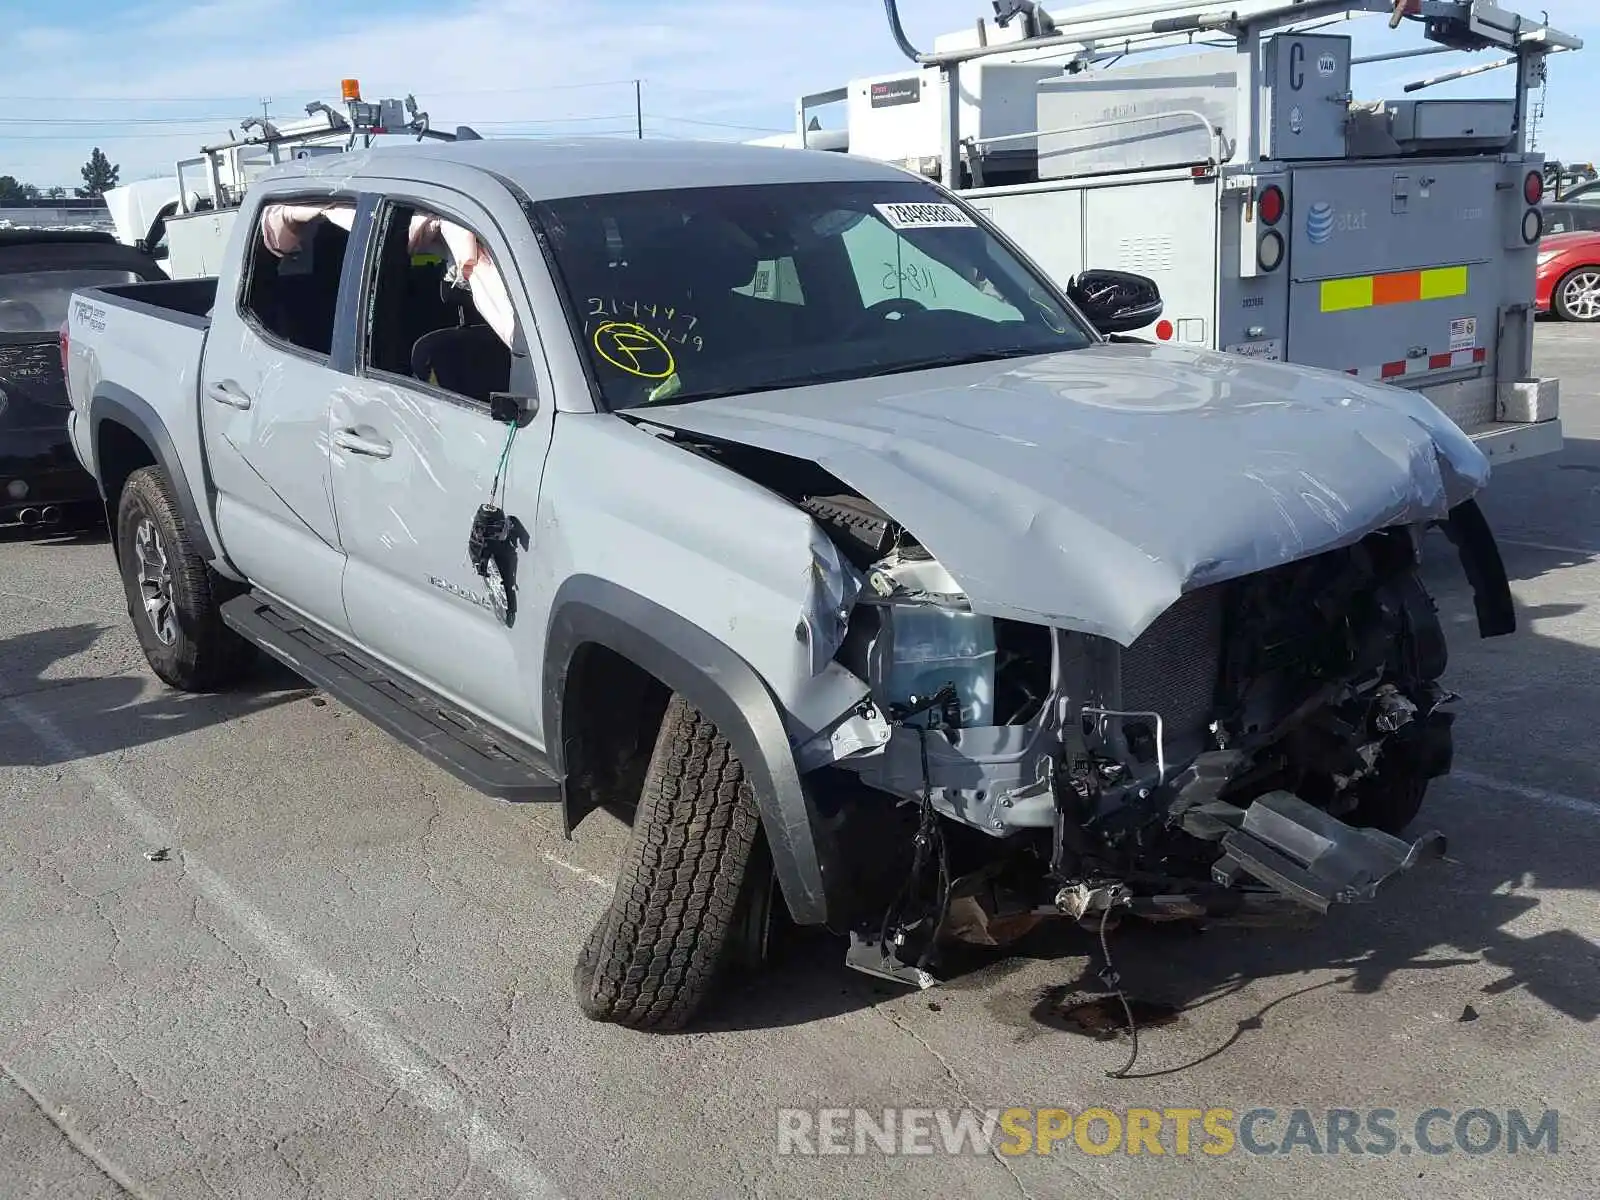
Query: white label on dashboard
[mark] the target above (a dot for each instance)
(1270, 348)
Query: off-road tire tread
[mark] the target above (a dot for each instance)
(207, 656)
(654, 956)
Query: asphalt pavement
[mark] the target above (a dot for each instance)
(250, 947)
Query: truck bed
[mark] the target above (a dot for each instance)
(141, 343)
(191, 298)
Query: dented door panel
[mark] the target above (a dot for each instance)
(411, 593)
(269, 465)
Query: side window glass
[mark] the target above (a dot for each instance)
(438, 310)
(1587, 218)
(296, 263)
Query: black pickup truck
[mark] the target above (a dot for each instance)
(41, 481)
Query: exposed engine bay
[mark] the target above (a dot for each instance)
(1248, 758)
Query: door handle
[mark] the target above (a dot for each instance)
(227, 392)
(349, 439)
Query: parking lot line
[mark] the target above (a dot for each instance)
(408, 1067)
(1580, 551)
(598, 880)
(1537, 794)
(75, 1139)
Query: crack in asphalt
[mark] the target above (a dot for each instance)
(960, 1089)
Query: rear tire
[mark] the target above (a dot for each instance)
(673, 924)
(1577, 295)
(174, 597)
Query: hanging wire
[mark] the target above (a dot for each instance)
(505, 456)
(1114, 981)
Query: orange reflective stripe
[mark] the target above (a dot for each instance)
(1403, 287)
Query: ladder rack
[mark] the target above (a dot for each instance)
(1086, 34)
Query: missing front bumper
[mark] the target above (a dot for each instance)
(1313, 858)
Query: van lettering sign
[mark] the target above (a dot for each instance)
(888, 93)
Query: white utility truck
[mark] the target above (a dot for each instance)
(1393, 240)
(184, 221)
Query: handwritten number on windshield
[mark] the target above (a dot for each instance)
(908, 278)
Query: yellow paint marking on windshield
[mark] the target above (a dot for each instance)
(634, 349)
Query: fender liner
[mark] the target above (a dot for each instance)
(724, 687)
(116, 403)
(1468, 530)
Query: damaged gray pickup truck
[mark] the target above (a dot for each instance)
(775, 500)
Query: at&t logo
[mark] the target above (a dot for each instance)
(1322, 222)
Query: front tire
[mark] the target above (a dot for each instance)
(1388, 803)
(673, 924)
(173, 596)
(1577, 295)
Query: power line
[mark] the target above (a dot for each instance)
(719, 124)
(103, 122)
(245, 98)
(551, 120)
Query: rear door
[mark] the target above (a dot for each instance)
(271, 366)
(1394, 269)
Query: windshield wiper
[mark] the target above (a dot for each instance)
(689, 397)
(840, 375)
(952, 360)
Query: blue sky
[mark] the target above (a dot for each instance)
(150, 82)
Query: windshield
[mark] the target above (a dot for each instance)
(700, 292)
(36, 301)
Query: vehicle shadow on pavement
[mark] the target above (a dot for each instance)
(113, 712)
(1546, 511)
(806, 981)
(86, 533)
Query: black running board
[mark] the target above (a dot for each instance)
(481, 757)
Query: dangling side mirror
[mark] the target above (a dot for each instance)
(511, 409)
(1116, 301)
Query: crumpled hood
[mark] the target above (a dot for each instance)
(1090, 489)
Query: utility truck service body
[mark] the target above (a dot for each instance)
(1281, 217)
(184, 222)
(623, 474)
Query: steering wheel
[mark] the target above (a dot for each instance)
(884, 309)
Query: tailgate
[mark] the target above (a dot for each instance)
(1395, 270)
(153, 351)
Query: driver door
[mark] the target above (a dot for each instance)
(415, 452)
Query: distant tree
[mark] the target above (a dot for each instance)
(12, 189)
(99, 175)
(56, 193)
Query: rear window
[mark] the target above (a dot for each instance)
(36, 301)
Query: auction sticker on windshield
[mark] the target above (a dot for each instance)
(924, 216)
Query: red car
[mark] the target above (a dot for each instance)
(1569, 276)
